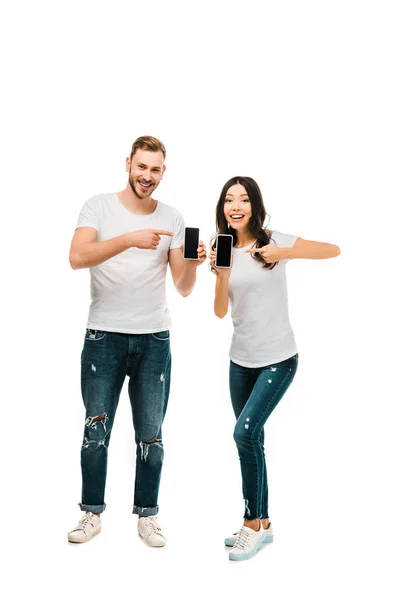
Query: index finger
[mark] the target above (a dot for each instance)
(161, 232)
(253, 250)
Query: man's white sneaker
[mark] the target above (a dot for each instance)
(268, 537)
(247, 543)
(88, 526)
(150, 532)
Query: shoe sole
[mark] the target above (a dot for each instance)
(84, 541)
(247, 556)
(151, 545)
(230, 542)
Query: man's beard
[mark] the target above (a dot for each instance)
(139, 193)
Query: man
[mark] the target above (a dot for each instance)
(127, 239)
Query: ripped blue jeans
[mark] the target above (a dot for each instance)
(107, 358)
(255, 392)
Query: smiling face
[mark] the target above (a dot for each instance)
(237, 207)
(145, 170)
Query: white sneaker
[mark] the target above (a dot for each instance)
(247, 544)
(150, 532)
(268, 537)
(87, 527)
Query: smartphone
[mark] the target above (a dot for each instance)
(191, 243)
(224, 250)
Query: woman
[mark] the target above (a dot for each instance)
(263, 350)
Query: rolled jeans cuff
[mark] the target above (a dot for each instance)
(93, 508)
(145, 512)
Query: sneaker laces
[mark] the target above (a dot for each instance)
(152, 526)
(243, 539)
(85, 521)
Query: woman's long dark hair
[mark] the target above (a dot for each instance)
(256, 222)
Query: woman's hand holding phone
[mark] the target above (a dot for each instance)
(223, 272)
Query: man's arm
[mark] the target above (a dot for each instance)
(184, 271)
(86, 252)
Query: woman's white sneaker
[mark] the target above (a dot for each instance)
(268, 537)
(87, 527)
(247, 543)
(150, 532)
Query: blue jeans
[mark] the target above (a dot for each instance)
(254, 393)
(107, 358)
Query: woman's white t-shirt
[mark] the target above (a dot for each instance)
(259, 308)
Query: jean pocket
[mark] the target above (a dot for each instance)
(161, 335)
(289, 364)
(94, 335)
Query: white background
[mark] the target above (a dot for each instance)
(302, 96)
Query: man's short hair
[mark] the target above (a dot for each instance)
(147, 142)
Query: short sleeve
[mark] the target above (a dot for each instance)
(89, 217)
(284, 240)
(179, 232)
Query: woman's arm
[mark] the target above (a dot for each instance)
(308, 249)
(221, 301)
(301, 249)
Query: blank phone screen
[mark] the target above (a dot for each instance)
(224, 251)
(191, 242)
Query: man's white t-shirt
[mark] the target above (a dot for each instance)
(128, 290)
(259, 308)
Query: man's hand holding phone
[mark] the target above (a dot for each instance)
(194, 251)
(201, 256)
